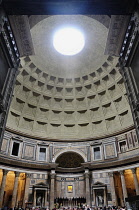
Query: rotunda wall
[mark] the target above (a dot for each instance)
(34, 153)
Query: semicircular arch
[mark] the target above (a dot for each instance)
(70, 159)
(79, 152)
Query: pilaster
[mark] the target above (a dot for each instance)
(113, 192)
(123, 184)
(52, 188)
(135, 180)
(3, 186)
(26, 192)
(14, 195)
(87, 185)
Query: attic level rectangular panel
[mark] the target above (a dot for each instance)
(117, 30)
(21, 29)
(55, 7)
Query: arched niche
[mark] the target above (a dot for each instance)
(69, 160)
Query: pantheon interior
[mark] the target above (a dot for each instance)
(69, 123)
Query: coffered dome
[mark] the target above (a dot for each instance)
(69, 97)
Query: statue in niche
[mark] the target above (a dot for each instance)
(100, 200)
(39, 200)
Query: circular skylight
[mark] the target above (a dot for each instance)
(68, 41)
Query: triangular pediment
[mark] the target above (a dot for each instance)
(98, 184)
(40, 184)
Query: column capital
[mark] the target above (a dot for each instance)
(52, 175)
(17, 173)
(121, 172)
(86, 175)
(111, 174)
(133, 170)
(28, 175)
(5, 172)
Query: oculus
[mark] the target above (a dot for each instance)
(68, 41)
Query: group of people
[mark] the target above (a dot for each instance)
(108, 208)
(94, 208)
(75, 208)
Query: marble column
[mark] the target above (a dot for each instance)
(135, 180)
(94, 197)
(46, 196)
(105, 197)
(26, 192)
(87, 185)
(20, 189)
(14, 194)
(34, 198)
(3, 186)
(113, 192)
(52, 189)
(123, 184)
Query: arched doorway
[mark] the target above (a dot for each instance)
(71, 186)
